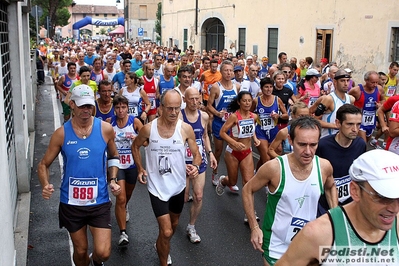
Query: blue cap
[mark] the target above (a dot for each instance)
(236, 68)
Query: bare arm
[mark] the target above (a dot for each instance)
(189, 136)
(108, 135)
(278, 140)
(142, 137)
(304, 248)
(58, 85)
(214, 94)
(329, 184)
(263, 177)
(281, 106)
(147, 103)
(52, 152)
(207, 142)
(381, 118)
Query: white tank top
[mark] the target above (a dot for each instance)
(134, 99)
(165, 161)
(290, 207)
(330, 117)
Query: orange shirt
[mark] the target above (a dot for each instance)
(209, 79)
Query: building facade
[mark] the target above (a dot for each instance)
(361, 37)
(141, 15)
(17, 112)
(78, 12)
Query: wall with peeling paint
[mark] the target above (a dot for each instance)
(362, 30)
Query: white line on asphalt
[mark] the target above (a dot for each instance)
(57, 124)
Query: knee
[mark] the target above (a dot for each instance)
(102, 255)
(121, 200)
(80, 252)
(198, 198)
(167, 233)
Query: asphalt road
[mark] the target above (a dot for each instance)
(225, 237)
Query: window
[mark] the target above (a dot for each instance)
(143, 12)
(241, 38)
(113, 15)
(105, 15)
(97, 26)
(395, 45)
(97, 15)
(272, 45)
(185, 33)
(84, 15)
(323, 45)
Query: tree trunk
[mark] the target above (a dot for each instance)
(53, 17)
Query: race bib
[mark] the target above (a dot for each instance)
(266, 122)
(226, 116)
(312, 100)
(368, 118)
(133, 110)
(151, 97)
(83, 191)
(342, 184)
(189, 155)
(125, 158)
(296, 225)
(391, 91)
(246, 128)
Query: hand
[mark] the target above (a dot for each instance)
(191, 171)
(143, 116)
(256, 142)
(115, 188)
(213, 161)
(257, 239)
(47, 191)
(142, 177)
(238, 146)
(385, 129)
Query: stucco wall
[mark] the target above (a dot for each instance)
(361, 30)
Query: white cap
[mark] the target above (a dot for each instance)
(249, 57)
(348, 70)
(313, 72)
(82, 95)
(380, 168)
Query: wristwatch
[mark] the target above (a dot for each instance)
(198, 167)
(113, 178)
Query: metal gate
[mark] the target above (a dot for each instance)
(8, 105)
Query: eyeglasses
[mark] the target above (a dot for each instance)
(377, 198)
(287, 72)
(171, 109)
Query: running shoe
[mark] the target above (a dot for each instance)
(190, 198)
(91, 260)
(127, 213)
(234, 189)
(215, 179)
(220, 187)
(374, 143)
(123, 240)
(193, 236)
(169, 261)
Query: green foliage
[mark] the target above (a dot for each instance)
(103, 31)
(158, 22)
(56, 10)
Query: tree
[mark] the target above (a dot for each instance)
(103, 31)
(158, 23)
(56, 10)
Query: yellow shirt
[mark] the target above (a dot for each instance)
(390, 87)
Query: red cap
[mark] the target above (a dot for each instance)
(324, 60)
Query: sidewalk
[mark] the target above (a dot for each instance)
(45, 239)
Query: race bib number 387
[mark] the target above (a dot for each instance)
(82, 191)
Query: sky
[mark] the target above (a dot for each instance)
(100, 3)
